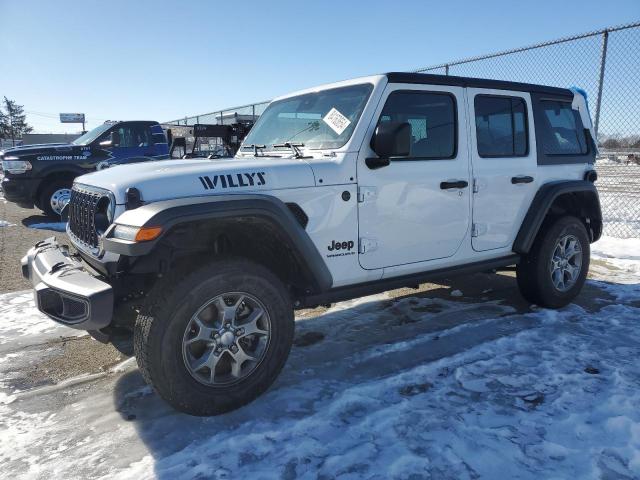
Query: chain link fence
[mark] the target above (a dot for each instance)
(605, 63)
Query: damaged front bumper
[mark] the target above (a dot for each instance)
(65, 290)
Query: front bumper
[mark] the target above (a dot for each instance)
(64, 289)
(20, 190)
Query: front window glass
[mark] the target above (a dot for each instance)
(432, 118)
(319, 120)
(91, 135)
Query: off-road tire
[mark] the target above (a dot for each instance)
(534, 270)
(44, 200)
(163, 318)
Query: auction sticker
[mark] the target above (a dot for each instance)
(336, 121)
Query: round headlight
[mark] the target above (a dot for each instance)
(104, 215)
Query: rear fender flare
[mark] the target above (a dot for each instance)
(543, 202)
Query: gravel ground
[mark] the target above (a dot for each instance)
(16, 238)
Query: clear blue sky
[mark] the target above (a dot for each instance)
(165, 59)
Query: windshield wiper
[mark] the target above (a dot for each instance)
(255, 149)
(295, 148)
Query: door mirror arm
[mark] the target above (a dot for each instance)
(377, 162)
(391, 139)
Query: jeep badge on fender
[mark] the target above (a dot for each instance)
(206, 261)
(340, 245)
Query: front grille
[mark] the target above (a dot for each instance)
(82, 214)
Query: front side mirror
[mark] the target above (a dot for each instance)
(112, 141)
(392, 139)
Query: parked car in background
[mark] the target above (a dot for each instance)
(42, 175)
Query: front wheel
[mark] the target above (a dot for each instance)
(215, 339)
(54, 197)
(554, 271)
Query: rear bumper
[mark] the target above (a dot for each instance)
(20, 190)
(64, 290)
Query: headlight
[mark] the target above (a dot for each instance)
(103, 215)
(13, 165)
(136, 234)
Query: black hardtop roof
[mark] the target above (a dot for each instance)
(430, 79)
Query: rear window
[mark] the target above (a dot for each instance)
(562, 132)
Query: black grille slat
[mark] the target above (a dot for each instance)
(82, 215)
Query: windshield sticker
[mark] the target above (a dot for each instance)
(336, 121)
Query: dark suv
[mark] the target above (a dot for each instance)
(42, 175)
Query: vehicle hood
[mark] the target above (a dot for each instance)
(31, 151)
(35, 146)
(169, 179)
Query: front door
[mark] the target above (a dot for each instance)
(504, 163)
(134, 140)
(418, 207)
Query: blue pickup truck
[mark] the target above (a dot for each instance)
(42, 175)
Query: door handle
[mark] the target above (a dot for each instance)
(454, 184)
(521, 179)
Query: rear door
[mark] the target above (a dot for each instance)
(417, 208)
(503, 154)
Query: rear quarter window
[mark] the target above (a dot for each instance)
(561, 128)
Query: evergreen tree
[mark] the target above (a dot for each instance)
(13, 120)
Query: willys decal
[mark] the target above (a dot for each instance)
(234, 180)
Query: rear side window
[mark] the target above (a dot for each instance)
(432, 117)
(501, 126)
(159, 138)
(562, 132)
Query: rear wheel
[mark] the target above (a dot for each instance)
(215, 339)
(54, 197)
(554, 271)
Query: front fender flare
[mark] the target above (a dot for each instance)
(169, 213)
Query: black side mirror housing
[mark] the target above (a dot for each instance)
(115, 139)
(392, 139)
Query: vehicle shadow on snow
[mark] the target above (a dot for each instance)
(352, 343)
(39, 218)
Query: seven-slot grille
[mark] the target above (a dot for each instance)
(82, 214)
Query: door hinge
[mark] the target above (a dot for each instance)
(367, 245)
(476, 186)
(366, 194)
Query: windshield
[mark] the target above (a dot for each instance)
(91, 135)
(318, 120)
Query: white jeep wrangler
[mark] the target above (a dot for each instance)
(338, 191)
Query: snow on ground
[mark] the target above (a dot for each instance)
(56, 226)
(409, 387)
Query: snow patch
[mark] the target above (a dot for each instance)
(487, 392)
